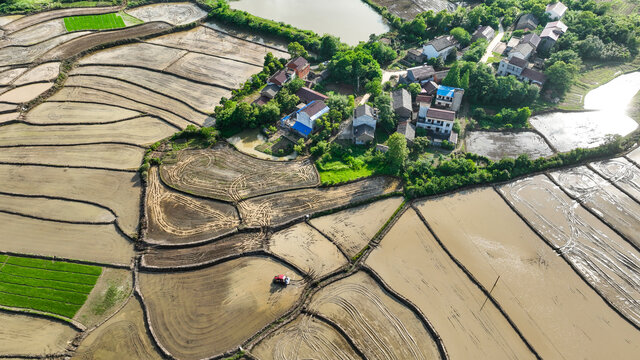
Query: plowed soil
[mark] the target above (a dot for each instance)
(45, 72)
(139, 54)
(623, 173)
(365, 311)
(226, 174)
(173, 13)
(25, 93)
(55, 14)
(352, 229)
(176, 219)
(604, 259)
(305, 338)
(77, 113)
(110, 156)
(203, 313)
(123, 336)
(536, 287)
(62, 210)
(277, 209)
(27, 335)
(307, 249)
(233, 245)
(213, 70)
(411, 261)
(24, 55)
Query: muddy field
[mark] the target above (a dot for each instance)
(35, 34)
(125, 333)
(203, 313)
(352, 229)
(424, 274)
(53, 209)
(13, 55)
(496, 146)
(305, 338)
(45, 72)
(408, 9)
(623, 173)
(197, 256)
(307, 249)
(109, 156)
(78, 113)
(279, 208)
(28, 335)
(111, 292)
(635, 155)
(226, 174)
(173, 13)
(174, 218)
(364, 311)
(26, 21)
(604, 259)
(24, 93)
(536, 287)
(138, 54)
(607, 202)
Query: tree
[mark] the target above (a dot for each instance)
(286, 100)
(398, 151)
(464, 81)
(355, 67)
(453, 77)
(295, 49)
(374, 88)
(294, 85)
(329, 46)
(385, 112)
(383, 54)
(560, 77)
(414, 89)
(461, 35)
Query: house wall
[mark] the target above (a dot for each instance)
(305, 119)
(365, 119)
(430, 52)
(436, 125)
(422, 113)
(403, 112)
(546, 44)
(504, 69)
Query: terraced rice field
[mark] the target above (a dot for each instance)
(173, 13)
(226, 174)
(23, 335)
(94, 22)
(57, 288)
(623, 173)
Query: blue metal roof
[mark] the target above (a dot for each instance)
(302, 128)
(446, 91)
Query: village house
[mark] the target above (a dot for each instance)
(300, 67)
(483, 32)
(401, 103)
(533, 77)
(429, 88)
(424, 103)
(551, 34)
(303, 121)
(438, 120)
(415, 56)
(527, 22)
(556, 11)
(441, 46)
(408, 130)
(281, 77)
(520, 69)
(513, 42)
(420, 73)
(532, 39)
(449, 97)
(307, 95)
(364, 124)
(522, 51)
(270, 91)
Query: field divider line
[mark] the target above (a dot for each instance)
(476, 282)
(613, 183)
(89, 10)
(69, 167)
(594, 213)
(130, 99)
(635, 163)
(74, 261)
(444, 354)
(140, 115)
(201, 53)
(335, 327)
(55, 220)
(74, 144)
(566, 260)
(347, 258)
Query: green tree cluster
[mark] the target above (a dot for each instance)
(355, 67)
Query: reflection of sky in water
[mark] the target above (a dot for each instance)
(351, 20)
(590, 129)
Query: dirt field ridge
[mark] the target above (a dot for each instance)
(201, 53)
(575, 269)
(337, 328)
(476, 282)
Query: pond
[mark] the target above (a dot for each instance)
(246, 142)
(588, 129)
(351, 20)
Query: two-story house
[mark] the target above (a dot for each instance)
(424, 103)
(440, 47)
(303, 121)
(449, 97)
(556, 11)
(513, 66)
(551, 34)
(438, 120)
(365, 119)
(300, 67)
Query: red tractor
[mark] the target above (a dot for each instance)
(281, 279)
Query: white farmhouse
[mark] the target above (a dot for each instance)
(303, 121)
(438, 120)
(439, 47)
(364, 124)
(556, 11)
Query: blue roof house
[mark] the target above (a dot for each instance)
(303, 121)
(449, 97)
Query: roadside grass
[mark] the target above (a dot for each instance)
(111, 297)
(599, 74)
(58, 288)
(94, 22)
(494, 58)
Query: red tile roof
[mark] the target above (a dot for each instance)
(441, 114)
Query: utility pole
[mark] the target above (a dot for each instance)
(493, 287)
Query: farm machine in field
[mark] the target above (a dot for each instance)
(281, 279)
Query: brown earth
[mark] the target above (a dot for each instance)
(97, 308)
(7, 76)
(204, 254)
(213, 70)
(175, 218)
(28, 335)
(557, 312)
(623, 173)
(44, 72)
(411, 261)
(140, 54)
(207, 312)
(279, 208)
(55, 14)
(226, 174)
(78, 113)
(25, 93)
(55, 209)
(379, 325)
(35, 34)
(29, 54)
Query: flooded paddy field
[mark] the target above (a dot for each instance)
(226, 174)
(621, 172)
(174, 13)
(352, 229)
(556, 311)
(424, 274)
(207, 312)
(26, 335)
(364, 311)
(607, 202)
(496, 146)
(280, 208)
(609, 263)
(307, 249)
(408, 9)
(305, 337)
(350, 20)
(174, 218)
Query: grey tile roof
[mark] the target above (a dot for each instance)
(442, 42)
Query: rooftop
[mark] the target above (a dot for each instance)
(365, 130)
(513, 42)
(407, 129)
(442, 42)
(484, 31)
(524, 48)
(314, 107)
(447, 91)
(270, 90)
(279, 78)
(527, 21)
(424, 99)
(534, 75)
(531, 38)
(307, 95)
(401, 99)
(363, 110)
(559, 8)
(521, 63)
(430, 87)
(421, 72)
(439, 114)
(297, 63)
(559, 25)
(302, 128)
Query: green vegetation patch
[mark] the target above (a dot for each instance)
(55, 287)
(94, 22)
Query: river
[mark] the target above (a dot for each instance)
(351, 20)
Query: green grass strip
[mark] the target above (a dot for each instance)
(94, 22)
(50, 275)
(67, 297)
(54, 307)
(55, 265)
(44, 283)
